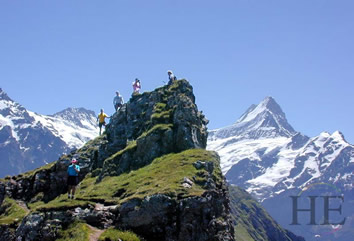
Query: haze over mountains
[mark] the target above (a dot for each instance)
(262, 153)
(29, 140)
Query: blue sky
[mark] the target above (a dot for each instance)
(56, 54)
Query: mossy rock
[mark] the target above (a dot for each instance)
(11, 212)
(39, 197)
(156, 128)
(32, 173)
(129, 148)
(161, 114)
(159, 107)
(162, 117)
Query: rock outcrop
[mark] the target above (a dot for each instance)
(149, 173)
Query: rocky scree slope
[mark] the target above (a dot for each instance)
(29, 140)
(148, 173)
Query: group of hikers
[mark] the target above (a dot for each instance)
(118, 101)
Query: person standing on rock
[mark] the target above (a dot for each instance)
(171, 77)
(136, 86)
(118, 101)
(101, 120)
(73, 178)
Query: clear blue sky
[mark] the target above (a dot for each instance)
(56, 54)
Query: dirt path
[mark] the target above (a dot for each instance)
(96, 233)
(23, 205)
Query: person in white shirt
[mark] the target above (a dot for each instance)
(171, 77)
(118, 101)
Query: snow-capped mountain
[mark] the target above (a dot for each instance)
(265, 120)
(29, 140)
(75, 126)
(262, 153)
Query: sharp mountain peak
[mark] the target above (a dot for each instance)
(268, 104)
(266, 119)
(4, 96)
(75, 111)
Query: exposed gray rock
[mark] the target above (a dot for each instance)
(194, 218)
(30, 227)
(187, 181)
(150, 125)
(163, 121)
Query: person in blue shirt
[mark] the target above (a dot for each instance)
(73, 178)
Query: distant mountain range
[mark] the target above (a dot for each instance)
(149, 173)
(29, 140)
(262, 153)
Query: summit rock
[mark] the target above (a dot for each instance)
(140, 175)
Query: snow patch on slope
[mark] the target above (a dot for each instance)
(70, 133)
(277, 172)
(7, 122)
(232, 153)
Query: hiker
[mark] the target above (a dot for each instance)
(101, 120)
(171, 77)
(136, 86)
(73, 178)
(118, 101)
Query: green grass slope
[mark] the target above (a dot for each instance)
(165, 175)
(11, 212)
(252, 222)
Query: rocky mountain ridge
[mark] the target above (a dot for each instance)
(275, 161)
(144, 174)
(149, 174)
(29, 140)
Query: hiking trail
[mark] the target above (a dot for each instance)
(23, 205)
(96, 233)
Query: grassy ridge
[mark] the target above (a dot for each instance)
(253, 223)
(164, 175)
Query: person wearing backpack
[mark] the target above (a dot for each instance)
(118, 101)
(73, 178)
(171, 77)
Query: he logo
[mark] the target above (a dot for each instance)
(312, 210)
